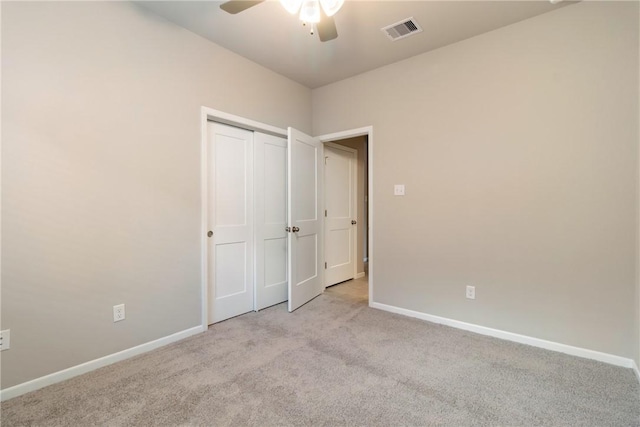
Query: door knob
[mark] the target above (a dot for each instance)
(210, 233)
(288, 229)
(354, 222)
(295, 229)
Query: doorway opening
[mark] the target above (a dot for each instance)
(346, 208)
(359, 142)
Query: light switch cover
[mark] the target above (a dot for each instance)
(398, 190)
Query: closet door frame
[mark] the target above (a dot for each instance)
(206, 115)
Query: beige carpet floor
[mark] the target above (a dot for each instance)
(338, 362)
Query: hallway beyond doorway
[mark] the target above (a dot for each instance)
(354, 288)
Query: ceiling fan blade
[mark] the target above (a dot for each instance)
(327, 28)
(237, 6)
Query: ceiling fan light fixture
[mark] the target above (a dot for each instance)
(331, 7)
(310, 12)
(291, 6)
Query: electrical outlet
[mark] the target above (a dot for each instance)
(471, 292)
(118, 312)
(5, 339)
(398, 190)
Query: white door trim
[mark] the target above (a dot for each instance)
(354, 250)
(368, 131)
(209, 114)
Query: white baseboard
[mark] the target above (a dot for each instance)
(91, 365)
(359, 275)
(510, 336)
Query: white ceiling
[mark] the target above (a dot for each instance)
(268, 35)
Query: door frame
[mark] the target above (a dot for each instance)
(206, 115)
(354, 190)
(351, 133)
(210, 114)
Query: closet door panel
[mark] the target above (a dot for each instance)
(271, 217)
(231, 221)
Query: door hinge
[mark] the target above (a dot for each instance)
(325, 213)
(325, 159)
(325, 265)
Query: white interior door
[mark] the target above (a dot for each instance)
(230, 168)
(304, 201)
(271, 219)
(340, 213)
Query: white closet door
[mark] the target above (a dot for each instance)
(340, 213)
(231, 247)
(271, 219)
(304, 217)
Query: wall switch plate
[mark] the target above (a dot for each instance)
(398, 190)
(471, 292)
(118, 312)
(5, 339)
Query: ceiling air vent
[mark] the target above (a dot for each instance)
(402, 29)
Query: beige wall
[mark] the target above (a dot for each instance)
(519, 152)
(359, 143)
(100, 174)
(637, 335)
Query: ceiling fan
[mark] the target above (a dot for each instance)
(318, 12)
